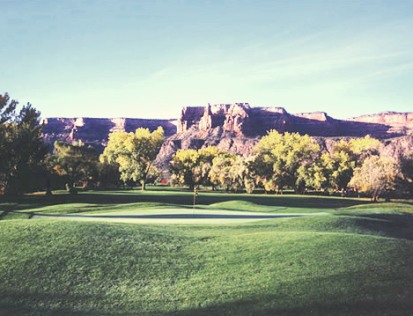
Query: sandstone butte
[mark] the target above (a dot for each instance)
(237, 127)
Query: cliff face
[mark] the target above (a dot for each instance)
(237, 128)
(244, 121)
(398, 123)
(95, 131)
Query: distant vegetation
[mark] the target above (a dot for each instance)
(292, 161)
(280, 162)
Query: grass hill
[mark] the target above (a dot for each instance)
(355, 260)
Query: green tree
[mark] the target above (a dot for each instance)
(375, 176)
(192, 167)
(228, 171)
(185, 168)
(21, 147)
(339, 166)
(283, 159)
(206, 155)
(406, 173)
(76, 162)
(250, 178)
(134, 153)
(108, 176)
(7, 108)
(260, 170)
(312, 175)
(238, 173)
(363, 148)
(7, 112)
(220, 174)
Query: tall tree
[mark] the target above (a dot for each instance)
(75, 162)
(261, 171)
(7, 111)
(220, 174)
(375, 176)
(281, 158)
(185, 168)
(228, 171)
(7, 108)
(134, 153)
(21, 147)
(406, 173)
(206, 155)
(339, 166)
(312, 175)
(192, 167)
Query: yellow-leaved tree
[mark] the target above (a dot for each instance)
(285, 161)
(134, 153)
(375, 176)
(192, 167)
(228, 171)
(346, 156)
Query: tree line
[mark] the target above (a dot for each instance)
(279, 162)
(27, 164)
(291, 161)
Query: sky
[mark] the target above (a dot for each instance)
(148, 59)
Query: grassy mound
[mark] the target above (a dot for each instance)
(349, 264)
(89, 201)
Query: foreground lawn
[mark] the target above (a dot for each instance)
(356, 261)
(53, 267)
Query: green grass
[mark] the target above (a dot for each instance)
(174, 198)
(93, 201)
(357, 261)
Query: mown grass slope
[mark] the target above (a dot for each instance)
(100, 201)
(356, 262)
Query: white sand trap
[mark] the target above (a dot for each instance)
(175, 216)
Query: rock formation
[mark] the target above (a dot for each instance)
(237, 128)
(245, 121)
(95, 131)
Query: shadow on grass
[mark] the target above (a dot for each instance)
(36, 303)
(389, 225)
(352, 293)
(361, 308)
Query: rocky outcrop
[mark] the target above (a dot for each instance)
(398, 123)
(189, 117)
(95, 131)
(246, 121)
(237, 128)
(230, 116)
(395, 147)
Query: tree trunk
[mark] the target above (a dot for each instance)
(11, 187)
(143, 185)
(48, 186)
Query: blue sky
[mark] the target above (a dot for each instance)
(108, 58)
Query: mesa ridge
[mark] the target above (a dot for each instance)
(236, 128)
